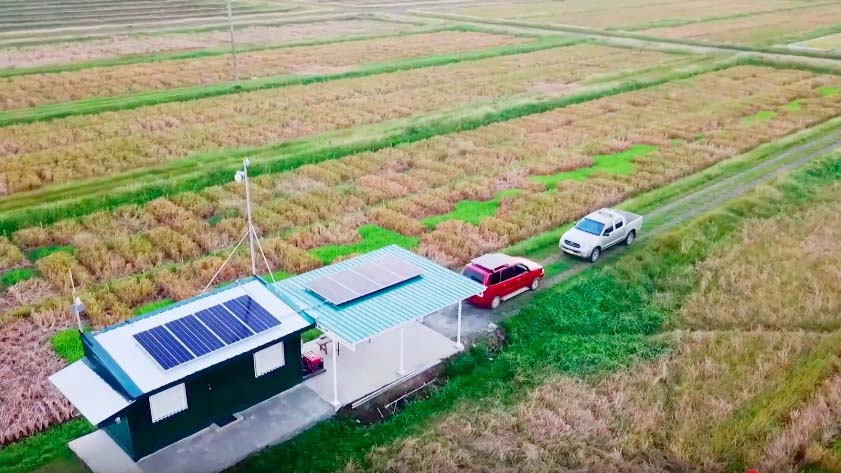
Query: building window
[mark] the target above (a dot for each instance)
(268, 359)
(167, 403)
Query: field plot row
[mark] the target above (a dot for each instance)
(533, 170)
(38, 89)
(129, 45)
(614, 14)
(63, 150)
(21, 16)
(763, 29)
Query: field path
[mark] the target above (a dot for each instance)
(664, 217)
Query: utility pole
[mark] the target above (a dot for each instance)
(243, 176)
(233, 42)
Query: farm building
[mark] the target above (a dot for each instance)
(156, 379)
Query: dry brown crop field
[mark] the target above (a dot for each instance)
(38, 89)
(64, 150)
(761, 29)
(133, 255)
(762, 392)
(67, 52)
(622, 14)
(832, 42)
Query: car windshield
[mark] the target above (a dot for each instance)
(590, 226)
(474, 275)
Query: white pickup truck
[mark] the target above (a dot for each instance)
(600, 230)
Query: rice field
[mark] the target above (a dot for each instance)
(488, 135)
(624, 15)
(762, 29)
(63, 150)
(121, 46)
(37, 89)
(831, 42)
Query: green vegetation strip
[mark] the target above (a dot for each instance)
(471, 211)
(373, 238)
(97, 105)
(599, 321)
(620, 163)
(76, 199)
(13, 276)
(153, 306)
(68, 345)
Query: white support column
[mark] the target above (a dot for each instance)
(335, 402)
(402, 370)
(459, 345)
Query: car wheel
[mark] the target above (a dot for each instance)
(495, 302)
(629, 240)
(535, 284)
(594, 255)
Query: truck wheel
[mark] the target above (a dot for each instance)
(495, 302)
(629, 240)
(594, 255)
(535, 284)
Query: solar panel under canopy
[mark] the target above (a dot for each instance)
(359, 281)
(206, 331)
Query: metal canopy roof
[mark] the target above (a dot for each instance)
(88, 392)
(436, 288)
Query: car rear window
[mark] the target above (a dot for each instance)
(474, 275)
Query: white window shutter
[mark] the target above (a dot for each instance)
(169, 402)
(268, 359)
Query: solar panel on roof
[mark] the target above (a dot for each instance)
(252, 314)
(206, 331)
(367, 278)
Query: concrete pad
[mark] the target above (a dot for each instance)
(214, 449)
(376, 363)
(102, 455)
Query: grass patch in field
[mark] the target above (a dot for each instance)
(153, 306)
(471, 211)
(43, 448)
(760, 116)
(38, 253)
(793, 106)
(373, 237)
(310, 335)
(14, 276)
(829, 91)
(617, 163)
(68, 344)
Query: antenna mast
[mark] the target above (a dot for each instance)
(77, 307)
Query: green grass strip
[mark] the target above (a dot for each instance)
(153, 306)
(760, 116)
(38, 253)
(98, 105)
(373, 237)
(471, 211)
(40, 449)
(68, 344)
(620, 163)
(13, 276)
(828, 91)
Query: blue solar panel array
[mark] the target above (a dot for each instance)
(206, 331)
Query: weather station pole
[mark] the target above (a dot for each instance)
(77, 307)
(233, 42)
(243, 176)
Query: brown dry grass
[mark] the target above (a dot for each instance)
(10, 255)
(782, 274)
(38, 89)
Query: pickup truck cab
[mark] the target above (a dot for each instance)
(504, 277)
(600, 230)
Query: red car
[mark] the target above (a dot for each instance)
(504, 276)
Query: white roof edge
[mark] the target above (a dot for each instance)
(88, 392)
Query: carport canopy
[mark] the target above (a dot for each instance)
(433, 288)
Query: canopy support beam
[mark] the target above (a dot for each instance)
(459, 345)
(335, 402)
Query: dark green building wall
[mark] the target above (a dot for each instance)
(212, 394)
